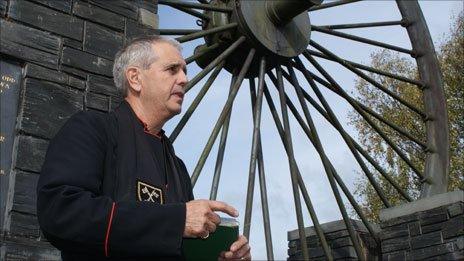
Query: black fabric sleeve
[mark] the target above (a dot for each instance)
(186, 177)
(75, 217)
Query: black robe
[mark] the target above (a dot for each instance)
(103, 192)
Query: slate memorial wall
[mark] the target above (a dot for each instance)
(56, 59)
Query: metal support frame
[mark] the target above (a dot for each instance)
(437, 160)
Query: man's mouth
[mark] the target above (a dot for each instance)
(179, 94)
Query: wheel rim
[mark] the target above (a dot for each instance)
(234, 43)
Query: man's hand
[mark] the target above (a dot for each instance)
(239, 250)
(200, 217)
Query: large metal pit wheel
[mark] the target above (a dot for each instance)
(252, 39)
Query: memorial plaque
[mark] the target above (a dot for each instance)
(10, 82)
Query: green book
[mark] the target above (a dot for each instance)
(209, 249)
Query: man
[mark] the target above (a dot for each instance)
(111, 185)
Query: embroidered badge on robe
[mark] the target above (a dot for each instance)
(146, 192)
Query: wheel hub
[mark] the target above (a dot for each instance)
(278, 29)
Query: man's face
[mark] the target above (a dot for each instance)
(163, 83)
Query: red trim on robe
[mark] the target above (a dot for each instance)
(108, 229)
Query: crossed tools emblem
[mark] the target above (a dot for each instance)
(149, 193)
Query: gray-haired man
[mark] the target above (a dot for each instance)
(111, 185)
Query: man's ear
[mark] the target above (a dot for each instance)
(134, 78)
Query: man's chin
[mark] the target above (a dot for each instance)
(175, 111)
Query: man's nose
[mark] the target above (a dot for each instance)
(182, 78)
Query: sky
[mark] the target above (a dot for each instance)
(234, 175)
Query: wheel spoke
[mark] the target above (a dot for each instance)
(195, 5)
(254, 148)
(177, 31)
(362, 40)
(202, 33)
(214, 63)
(366, 117)
(221, 149)
(292, 79)
(367, 78)
(200, 54)
(361, 25)
(222, 117)
(257, 99)
(303, 189)
(195, 103)
(332, 4)
(191, 12)
(332, 170)
(310, 78)
(366, 109)
(292, 163)
(371, 69)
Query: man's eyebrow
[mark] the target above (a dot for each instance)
(177, 64)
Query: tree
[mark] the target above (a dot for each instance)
(451, 58)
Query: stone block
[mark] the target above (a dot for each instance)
(337, 234)
(46, 19)
(73, 71)
(426, 240)
(86, 61)
(97, 101)
(18, 248)
(399, 220)
(433, 216)
(344, 253)
(340, 242)
(25, 196)
(291, 251)
(134, 30)
(62, 5)
(28, 44)
(98, 15)
(316, 252)
(400, 230)
(101, 41)
(76, 83)
(394, 244)
(148, 19)
(414, 229)
(151, 6)
(47, 106)
(459, 244)
(334, 229)
(456, 209)
(30, 37)
(72, 43)
(114, 102)
(432, 228)
(431, 251)
(24, 225)
(39, 72)
(102, 85)
(400, 255)
(3, 5)
(312, 242)
(31, 153)
(124, 8)
(459, 255)
(454, 227)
